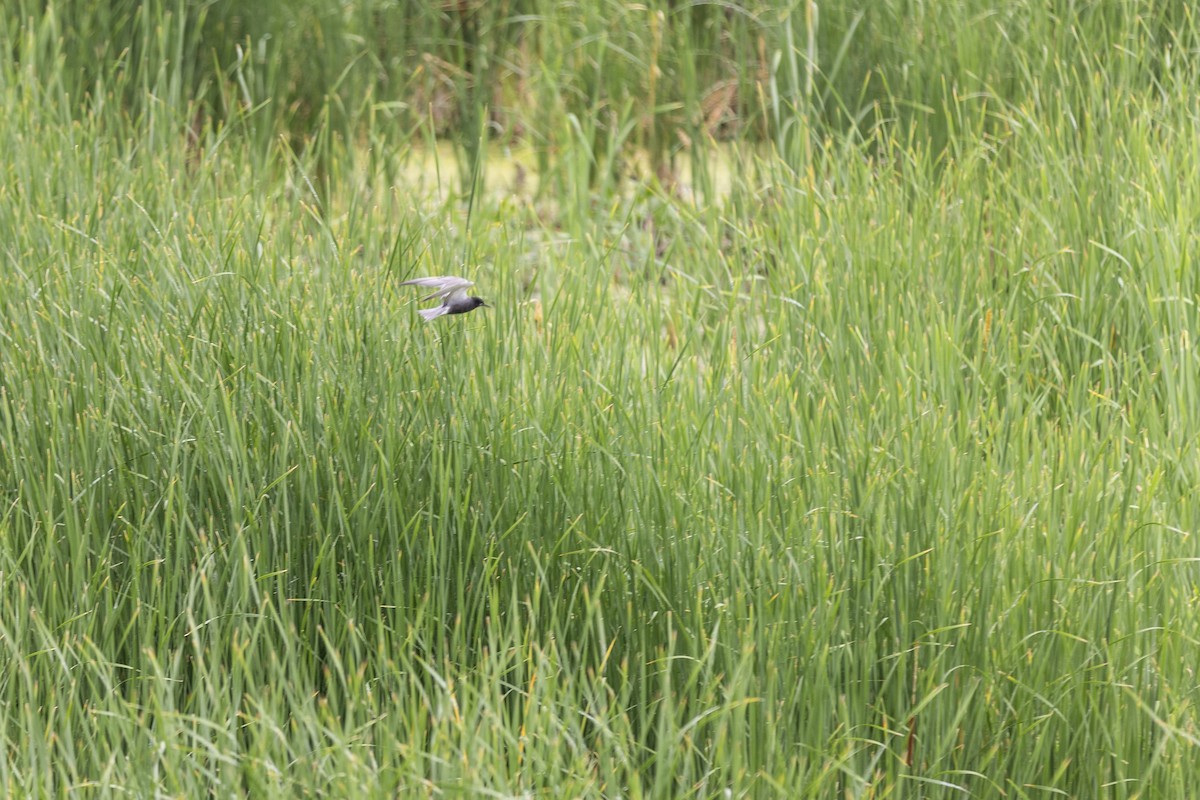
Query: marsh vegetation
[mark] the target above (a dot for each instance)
(833, 434)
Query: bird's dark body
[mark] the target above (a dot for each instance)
(463, 306)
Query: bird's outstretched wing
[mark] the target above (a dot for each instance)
(444, 286)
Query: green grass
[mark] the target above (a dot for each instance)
(873, 475)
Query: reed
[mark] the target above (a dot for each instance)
(852, 455)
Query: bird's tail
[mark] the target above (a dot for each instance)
(431, 313)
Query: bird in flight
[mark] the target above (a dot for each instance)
(451, 291)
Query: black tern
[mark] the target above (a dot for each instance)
(451, 291)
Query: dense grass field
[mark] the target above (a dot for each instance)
(834, 432)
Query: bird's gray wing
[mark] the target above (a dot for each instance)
(445, 286)
(459, 293)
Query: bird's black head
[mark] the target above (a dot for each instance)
(476, 302)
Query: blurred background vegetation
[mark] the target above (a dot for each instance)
(663, 76)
